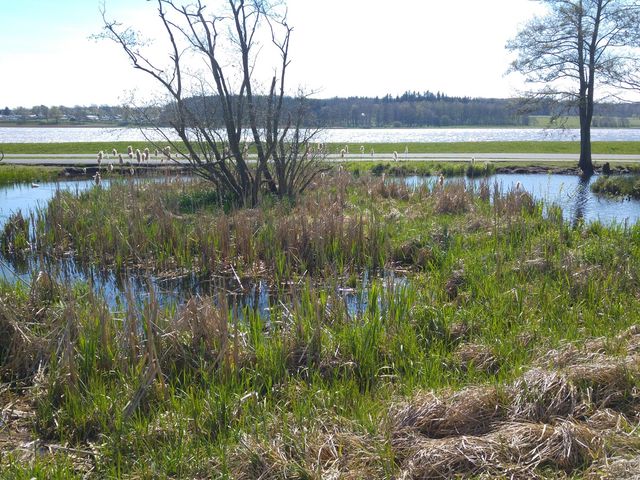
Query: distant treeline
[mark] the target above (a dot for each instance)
(412, 109)
(426, 109)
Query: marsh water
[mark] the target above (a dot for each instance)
(569, 192)
(116, 289)
(342, 135)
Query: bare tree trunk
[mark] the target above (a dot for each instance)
(585, 163)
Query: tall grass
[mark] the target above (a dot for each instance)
(511, 326)
(20, 174)
(164, 227)
(617, 186)
(423, 168)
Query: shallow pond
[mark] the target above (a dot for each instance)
(568, 191)
(256, 295)
(572, 194)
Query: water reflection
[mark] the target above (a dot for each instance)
(581, 200)
(569, 192)
(257, 295)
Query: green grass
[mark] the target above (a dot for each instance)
(71, 148)
(617, 186)
(490, 147)
(441, 147)
(22, 174)
(315, 391)
(423, 168)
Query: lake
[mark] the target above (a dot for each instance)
(373, 135)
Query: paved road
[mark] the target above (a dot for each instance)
(89, 159)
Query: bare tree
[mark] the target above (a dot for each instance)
(230, 43)
(579, 48)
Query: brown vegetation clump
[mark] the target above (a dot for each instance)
(567, 419)
(454, 282)
(469, 411)
(328, 451)
(475, 356)
(514, 450)
(541, 395)
(452, 198)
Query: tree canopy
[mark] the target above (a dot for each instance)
(580, 51)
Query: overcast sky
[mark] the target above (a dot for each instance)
(339, 48)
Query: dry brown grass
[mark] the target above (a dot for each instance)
(548, 420)
(470, 411)
(452, 198)
(326, 450)
(515, 450)
(475, 356)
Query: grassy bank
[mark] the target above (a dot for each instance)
(354, 148)
(423, 168)
(491, 147)
(20, 174)
(510, 349)
(618, 186)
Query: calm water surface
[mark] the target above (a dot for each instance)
(256, 295)
(569, 192)
(373, 135)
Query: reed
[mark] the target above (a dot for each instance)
(506, 342)
(617, 186)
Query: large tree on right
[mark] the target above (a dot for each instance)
(579, 52)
